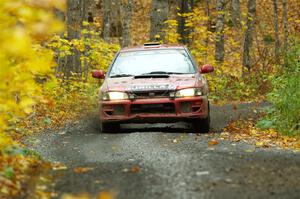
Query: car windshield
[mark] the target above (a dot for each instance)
(152, 62)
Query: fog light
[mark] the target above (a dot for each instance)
(172, 94)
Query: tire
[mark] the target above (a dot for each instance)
(202, 125)
(109, 127)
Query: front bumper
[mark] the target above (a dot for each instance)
(154, 109)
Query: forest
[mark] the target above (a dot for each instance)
(49, 48)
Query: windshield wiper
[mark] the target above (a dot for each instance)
(161, 73)
(121, 75)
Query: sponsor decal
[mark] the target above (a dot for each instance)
(152, 87)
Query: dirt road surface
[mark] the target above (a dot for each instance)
(163, 161)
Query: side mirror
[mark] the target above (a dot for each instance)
(99, 74)
(206, 69)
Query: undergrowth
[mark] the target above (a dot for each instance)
(284, 114)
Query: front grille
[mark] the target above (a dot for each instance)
(151, 94)
(152, 108)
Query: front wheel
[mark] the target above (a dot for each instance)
(109, 127)
(201, 125)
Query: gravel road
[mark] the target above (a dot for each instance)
(162, 161)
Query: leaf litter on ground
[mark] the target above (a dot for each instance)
(246, 131)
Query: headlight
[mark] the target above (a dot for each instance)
(189, 92)
(114, 96)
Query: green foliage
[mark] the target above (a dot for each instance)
(225, 87)
(8, 172)
(171, 35)
(284, 115)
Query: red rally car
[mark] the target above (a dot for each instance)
(154, 83)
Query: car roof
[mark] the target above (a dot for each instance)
(152, 46)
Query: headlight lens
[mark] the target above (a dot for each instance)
(189, 92)
(114, 96)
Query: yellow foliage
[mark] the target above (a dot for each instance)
(94, 50)
(24, 24)
(5, 141)
(171, 35)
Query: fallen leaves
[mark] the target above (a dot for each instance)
(133, 169)
(106, 195)
(15, 170)
(82, 169)
(213, 142)
(101, 195)
(178, 139)
(247, 132)
(58, 166)
(260, 144)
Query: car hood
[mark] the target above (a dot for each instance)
(173, 82)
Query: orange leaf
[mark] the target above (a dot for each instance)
(213, 142)
(82, 169)
(135, 169)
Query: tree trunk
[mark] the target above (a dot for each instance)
(235, 13)
(75, 17)
(106, 20)
(207, 12)
(285, 28)
(276, 31)
(219, 50)
(185, 6)
(159, 14)
(249, 34)
(126, 22)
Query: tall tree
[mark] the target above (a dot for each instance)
(249, 34)
(219, 49)
(208, 15)
(276, 32)
(106, 20)
(185, 6)
(126, 13)
(235, 12)
(285, 28)
(159, 14)
(75, 15)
